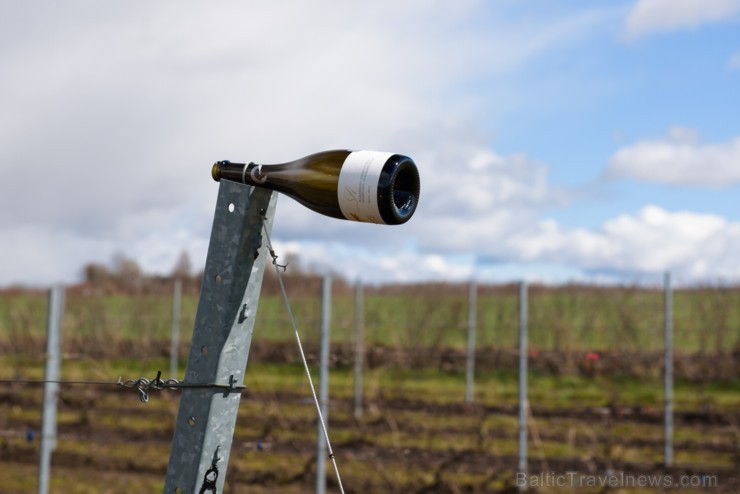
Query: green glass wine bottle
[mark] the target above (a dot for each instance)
(369, 186)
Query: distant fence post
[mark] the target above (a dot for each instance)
(359, 348)
(175, 348)
(523, 403)
(470, 367)
(323, 385)
(668, 368)
(51, 387)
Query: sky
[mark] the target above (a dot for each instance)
(560, 141)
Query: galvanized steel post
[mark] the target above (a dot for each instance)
(175, 345)
(222, 335)
(321, 445)
(470, 368)
(523, 402)
(668, 369)
(51, 387)
(359, 349)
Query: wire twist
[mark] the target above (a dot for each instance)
(144, 385)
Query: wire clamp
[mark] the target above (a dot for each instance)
(144, 385)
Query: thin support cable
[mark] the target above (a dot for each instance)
(142, 384)
(303, 358)
(56, 381)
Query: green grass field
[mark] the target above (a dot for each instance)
(706, 320)
(416, 433)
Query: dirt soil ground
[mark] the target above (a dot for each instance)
(109, 442)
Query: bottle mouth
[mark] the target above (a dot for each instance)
(216, 171)
(405, 191)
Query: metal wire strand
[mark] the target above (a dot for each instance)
(57, 381)
(142, 384)
(303, 357)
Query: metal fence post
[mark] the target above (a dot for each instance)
(175, 348)
(51, 387)
(323, 385)
(222, 335)
(359, 349)
(470, 368)
(523, 402)
(668, 368)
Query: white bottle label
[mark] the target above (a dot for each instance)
(358, 185)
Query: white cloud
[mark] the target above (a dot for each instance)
(648, 16)
(463, 223)
(734, 62)
(374, 266)
(679, 159)
(111, 116)
(692, 245)
(40, 256)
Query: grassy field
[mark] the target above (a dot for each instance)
(416, 434)
(706, 320)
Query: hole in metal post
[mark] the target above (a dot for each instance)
(204, 349)
(231, 207)
(218, 279)
(191, 421)
(178, 490)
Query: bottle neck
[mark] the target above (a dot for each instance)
(250, 174)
